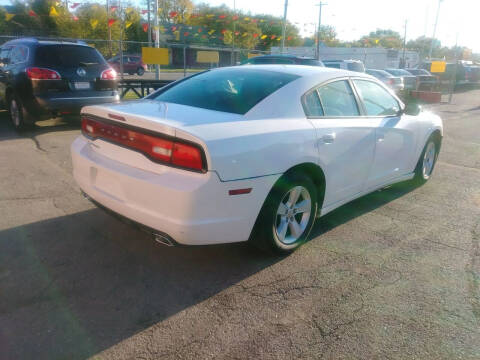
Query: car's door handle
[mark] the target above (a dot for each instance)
(328, 138)
(380, 137)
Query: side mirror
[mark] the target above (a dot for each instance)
(412, 108)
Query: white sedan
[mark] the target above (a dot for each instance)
(251, 152)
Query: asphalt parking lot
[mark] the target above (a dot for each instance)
(393, 275)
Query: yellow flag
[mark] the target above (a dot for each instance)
(377, 41)
(247, 19)
(211, 32)
(94, 23)
(279, 38)
(53, 11)
(244, 34)
(128, 24)
(263, 37)
(128, 10)
(8, 16)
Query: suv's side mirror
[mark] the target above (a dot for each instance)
(412, 108)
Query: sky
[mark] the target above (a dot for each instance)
(355, 18)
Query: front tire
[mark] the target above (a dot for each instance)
(288, 215)
(426, 162)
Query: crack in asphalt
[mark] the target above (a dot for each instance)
(473, 270)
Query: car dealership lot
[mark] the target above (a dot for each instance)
(393, 275)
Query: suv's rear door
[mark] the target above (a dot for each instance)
(4, 59)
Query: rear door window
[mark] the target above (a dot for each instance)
(338, 100)
(356, 66)
(313, 107)
(377, 100)
(233, 90)
(66, 56)
(4, 55)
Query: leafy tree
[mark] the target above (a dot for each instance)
(328, 36)
(385, 38)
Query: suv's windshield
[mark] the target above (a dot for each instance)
(233, 90)
(66, 55)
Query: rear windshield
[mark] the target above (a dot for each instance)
(332, 65)
(66, 55)
(399, 72)
(233, 90)
(311, 62)
(356, 66)
(418, 72)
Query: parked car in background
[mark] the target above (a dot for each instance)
(394, 82)
(283, 59)
(251, 152)
(425, 80)
(462, 72)
(409, 80)
(41, 79)
(132, 64)
(352, 65)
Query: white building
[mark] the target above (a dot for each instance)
(373, 58)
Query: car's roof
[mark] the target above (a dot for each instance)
(35, 41)
(285, 56)
(299, 70)
(341, 60)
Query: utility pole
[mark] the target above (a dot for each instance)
(453, 79)
(109, 29)
(404, 44)
(284, 29)
(120, 11)
(434, 29)
(149, 24)
(157, 38)
(319, 27)
(233, 35)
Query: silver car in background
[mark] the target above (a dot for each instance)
(393, 82)
(409, 80)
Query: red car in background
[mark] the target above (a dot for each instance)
(132, 64)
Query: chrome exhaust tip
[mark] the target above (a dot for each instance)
(162, 239)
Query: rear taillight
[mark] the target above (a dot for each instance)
(108, 74)
(391, 81)
(158, 149)
(36, 73)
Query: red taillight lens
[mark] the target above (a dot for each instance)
(156, 148)
(391, 81)
(35, 73)
(187, 156)
(108, 74)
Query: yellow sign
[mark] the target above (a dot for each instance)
(438, 67)
(157, 56)
(252, 55)
(208, 57)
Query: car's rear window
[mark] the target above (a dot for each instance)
(66, 55)
(311, 62)
(332, 65)
(356, 66)
(233, 90)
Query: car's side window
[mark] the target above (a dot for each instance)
(338, 99)
(18, 54)
(313, 107)
(377, 100)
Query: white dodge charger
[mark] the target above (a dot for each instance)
(251, 152)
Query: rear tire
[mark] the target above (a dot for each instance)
(18, 114)
(140, 71)
(426, 162)
(287, 216)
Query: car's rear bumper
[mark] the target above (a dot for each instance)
(190, 208)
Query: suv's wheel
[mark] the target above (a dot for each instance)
(140, 71)
(17, 114)
(287, 216)
(427, 161)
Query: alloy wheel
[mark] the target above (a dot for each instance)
(428, 160)
(293, 215)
